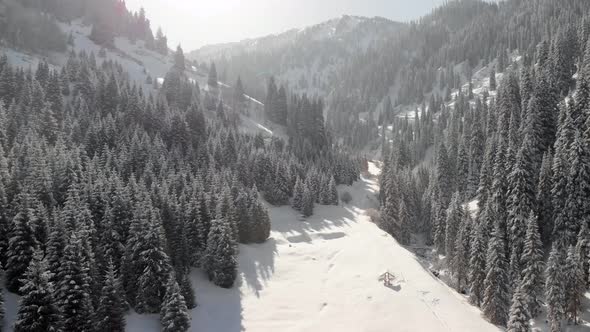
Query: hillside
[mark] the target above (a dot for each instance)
(307, 60)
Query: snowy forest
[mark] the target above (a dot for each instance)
(118, 185)
(110, 194)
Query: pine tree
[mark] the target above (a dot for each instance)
(297, 201)
(390, 206)
(560, 167)
(575, 285)
(578, 188)
(271, 100)
(212, 80)
(239, 95)
(462, 246)
(73, 289)
(496, 294)
(220, 257)
(518, 317)
(174, 315)
(38, 311)
(477, 262)
(583, 249)
(521, 196)
(186, 289)
(56, 244)
(260, 220)
(544, 207)
(153, 279)
(333, 192)
(307, 202)
(179, 61)
(132, 266)
(555, 288)
(404, 232)
(5, 223)
(20, 251)
(532, 265)
(455, 215)
(110, 311)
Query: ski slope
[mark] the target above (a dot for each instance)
(321, 274)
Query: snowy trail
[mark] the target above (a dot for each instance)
(321, 275)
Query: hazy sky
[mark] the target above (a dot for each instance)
(195, 23)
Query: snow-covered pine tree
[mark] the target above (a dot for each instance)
(297, 201)
(307, 202)
(186, 289)
(110, 314)
(544, 200)
(260, 220)
(404, 231)
(153, 279)
(455, 215)
(560, 168)
(496, 299)
(390, 207)
(462, 246)
(575, 285)
(521, 196)
(220, 256)
(324, 196)
(443, 176)
(578, 188)
(532, 264)
(477, 265)
(555, 287)
(132, 267)
(56, 244)
(476, 155)
(20, 250)
(333, 192)
(518, 320)
(73, 289)
(583, 250)
(37, 310)
(174, 314)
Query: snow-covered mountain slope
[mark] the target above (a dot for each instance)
(321, 274)
(140, 63)
(306, 59)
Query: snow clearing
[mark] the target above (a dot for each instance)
(327, 269)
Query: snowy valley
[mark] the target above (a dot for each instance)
(359, 174)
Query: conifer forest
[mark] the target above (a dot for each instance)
(266, 184)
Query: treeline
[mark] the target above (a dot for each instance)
(524, 157)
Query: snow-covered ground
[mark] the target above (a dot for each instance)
(321, 274)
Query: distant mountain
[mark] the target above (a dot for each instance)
(306, 59)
